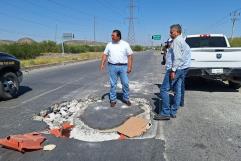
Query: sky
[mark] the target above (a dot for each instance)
(49, 19)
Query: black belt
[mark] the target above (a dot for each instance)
(118, 63)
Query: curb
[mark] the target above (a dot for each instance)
(54, 64)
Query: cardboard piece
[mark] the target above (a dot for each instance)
(133, 127)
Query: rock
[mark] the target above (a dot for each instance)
(49, 147)
(57, 116)
(64, 108)
(63, 113)
(52, 116)
(72, 103)
(48, 121)
(64, 104)
(73, 109)
(43, 113)
(55, 108)
(37, 118)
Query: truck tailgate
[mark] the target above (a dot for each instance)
(216, 57)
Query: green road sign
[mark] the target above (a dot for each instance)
(156, 37)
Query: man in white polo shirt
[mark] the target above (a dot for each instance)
(120, 59)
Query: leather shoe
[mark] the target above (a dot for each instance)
(128, 103)
(173, 116)
(161, 117)
(112, 104)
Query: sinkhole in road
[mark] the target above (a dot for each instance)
(93, 119)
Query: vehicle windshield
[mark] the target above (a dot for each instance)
(197, 42)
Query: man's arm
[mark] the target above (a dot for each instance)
(178, 55)
(130, 63)
(103, 61)
(130, 58)
(177, 51)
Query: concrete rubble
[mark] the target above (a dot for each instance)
(135, 86)
(70, 111)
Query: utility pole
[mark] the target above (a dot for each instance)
(131, 31)
(55, 35)
(94, 30)
(234, 17)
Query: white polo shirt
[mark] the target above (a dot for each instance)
(118, 52)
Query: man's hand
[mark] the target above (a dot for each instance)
(172, 75)
(103, 61)
(129, 70)
(102, 68)
(130, 62)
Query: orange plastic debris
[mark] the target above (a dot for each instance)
(56, 132)
(63, 132)
(24, 142)
(67, 125)
(122, 137)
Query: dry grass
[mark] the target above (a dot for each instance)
(58, 58)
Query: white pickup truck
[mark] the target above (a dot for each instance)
(213, 58)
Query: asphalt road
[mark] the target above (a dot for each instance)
(207, 128)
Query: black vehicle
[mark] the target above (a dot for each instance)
(10, 76)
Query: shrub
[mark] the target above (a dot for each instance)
(49, 47)
(82, 48)
(236, 42)
(137, 48)
(32, 50)
(21, 51)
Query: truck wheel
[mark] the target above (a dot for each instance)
(9, 86)
(234, 85)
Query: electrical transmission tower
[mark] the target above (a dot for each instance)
(131, 30)
(234, 17)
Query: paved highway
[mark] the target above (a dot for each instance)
(207, 128)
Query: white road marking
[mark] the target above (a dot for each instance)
(43, 94)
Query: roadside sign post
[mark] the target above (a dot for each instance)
(65, 37)
(156, 37)
(62, 46)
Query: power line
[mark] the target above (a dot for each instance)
(82, 12)
(111, 4)
(20, 33)
(221, 21)
(131, 30)
(110, 7)
(24, 19)
(35, 13)
(234, 17)
(217, 23)
(73, 22)
(21, 18)
(71, 8)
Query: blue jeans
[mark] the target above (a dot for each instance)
(167, 109)
(116, 71)
(183, 87)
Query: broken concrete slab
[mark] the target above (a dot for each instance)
(101, 116)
